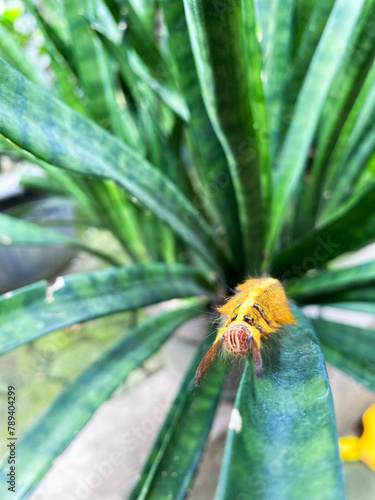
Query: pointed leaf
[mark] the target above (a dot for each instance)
(286, 446)
(326, 61)
(95, 72)
(60, 56)
(254, 63)
(48, 129)
(52, 433)
(314, 289)
(311, 34)
(12, 51)
(361, 294)
(276, 61)
(183, 435)
(343, 93)
(211, 164)
(143, 41)
(217, 38)
(349, 229)
(127, 69)
(35, 310)
(343, 170)
(350, 348)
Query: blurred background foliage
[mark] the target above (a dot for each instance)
(185, 146)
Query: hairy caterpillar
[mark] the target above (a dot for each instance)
(257, 310)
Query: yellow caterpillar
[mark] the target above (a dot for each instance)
(257, 310)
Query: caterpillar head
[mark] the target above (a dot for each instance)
(242, 340)
(238, 339)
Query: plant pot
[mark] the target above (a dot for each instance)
(21, 266)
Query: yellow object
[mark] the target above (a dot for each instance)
(349, 448)
(367, 440)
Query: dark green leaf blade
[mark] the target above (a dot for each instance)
(166, 92)
(287, 447)
(365, 295)
(325, 62)
(321, 286)
(58, 426)
(60, 57)
(315, 23)
(217, 38)
(361, 307)
(36, 310)
(184, 434)
(343, 93)
(254, 63)
(350, 348)
(48, 129)
(142, 39)
(343, 169)
(211, 165)
(95, 72)
(276, 61)
(12, 51)
(349, 229)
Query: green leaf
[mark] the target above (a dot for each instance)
(48, 129)
(35, 310)
(112, 206)
(183, 435)
(287, 446)
(211, 165)
(145, 10)
(331, 282)
(131, 67)
(354, 167)
(217, 39)
(60, 58)
(12, 51)
(52, 433)
(142, 39)
(324, 65)
(114, 8)
(106, 202)
(18, 232)
(343, 93)
(277, 60)
(55, 43)
(350, 295)
(264, 10)
(311, 33)
(349, 229)
(69, 185)
(350, 348)
(343, 169)
(254, 64)
(10, 14)
(96, 74)
(362, 307)
(41, 184)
